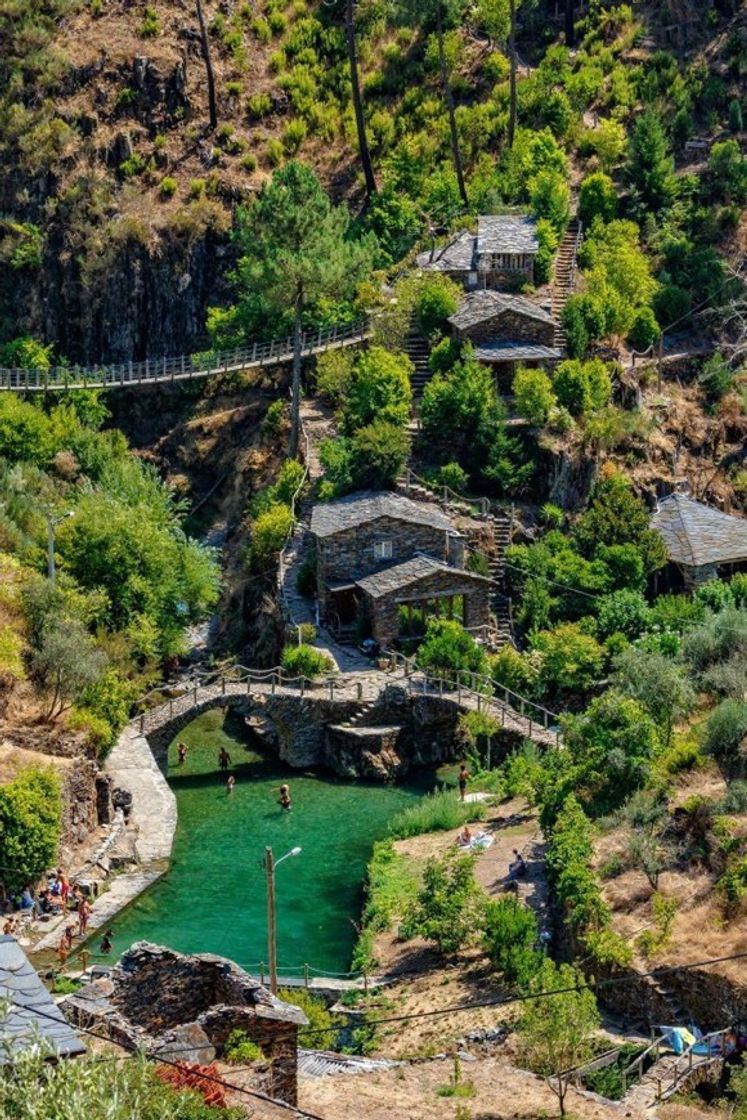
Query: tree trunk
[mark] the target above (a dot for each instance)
(360, 123)
(208, 67)
(570, 22)
(512, 74)
(449, 98)
(296, 383)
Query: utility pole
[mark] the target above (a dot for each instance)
(272, 947)
(272, 929)
(512, 73)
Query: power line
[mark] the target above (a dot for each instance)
(210, 1078)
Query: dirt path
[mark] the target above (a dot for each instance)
(515, 827)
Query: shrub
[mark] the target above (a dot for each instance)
(533, 395)
(197, 188)
(30, 820)
(453, 476)
(319, 1017)
(269, 534)
(168, 187)
(645, 330)
(261, 29)
(570, 661)
(624, 612)
(448, 904)
(438, 298)
(725, 730)
(715, 595)
(548, 240)
(436, 812)
(274, 152)
(509, 938)
(306, 578)
(378, 454)
(259, 105)
(249, 162)
(294, 135)
(448, 648)
(334, 375)
(379, 390)
(150, 28)
(239, 1048)
(582, 386)
(274, 420)
(306, 661)
(597, 198)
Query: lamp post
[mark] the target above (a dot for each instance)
(52, 523)
(270, 864)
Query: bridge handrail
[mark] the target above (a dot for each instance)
(481, 689)
(684, 1065)
(180, 366)
(636, 1066)
(278, 678)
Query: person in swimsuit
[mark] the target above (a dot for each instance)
(230, 783)
(284, 801)
(106, 942)
(181, 751)
(224, 758)
(463, 779)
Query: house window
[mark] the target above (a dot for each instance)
(383, 550)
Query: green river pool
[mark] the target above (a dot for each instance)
(213, 897)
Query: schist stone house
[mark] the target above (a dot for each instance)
(702, 543)
(381, 558)
(506, 330)
(500, 255)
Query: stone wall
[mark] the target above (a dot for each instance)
(85, 805)
(163, 1001)
(349, 555)
(510, 325)
(383, 611)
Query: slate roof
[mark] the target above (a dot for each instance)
(506, 233)
(27, 1022)
(477, 307)
(510, 350)
(457, 255)
(410, 571)
(328, 518)
(696, 534)
(496, 233)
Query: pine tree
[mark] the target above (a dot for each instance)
(296, 248)
(651, 167)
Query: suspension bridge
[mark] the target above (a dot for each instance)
(184, 367)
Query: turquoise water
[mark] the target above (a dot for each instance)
(213, 899)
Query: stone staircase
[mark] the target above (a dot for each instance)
(564, 278)
(299, 609)
(418, 350)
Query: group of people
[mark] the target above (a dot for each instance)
(59, 897)
(224, 761)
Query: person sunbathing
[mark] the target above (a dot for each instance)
(464, 839)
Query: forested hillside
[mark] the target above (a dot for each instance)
(118, 190)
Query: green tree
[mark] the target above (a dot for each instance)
(460, 411)
(617, 516)
(66, 663)
(556, 1031)
(597, 198)
(582, 386)
(269, 534)
(533, 395)
(378, 453)
(650, 163)
(611, 745)
(30, 823)
(622, 612)
(448, 906)
(25, 353)
(727, 169)
(659, 683)
(379, 390)
(510, 939)
(725, 733)
(25, 434)
(448, 648)
(549, 195)
(295, 248)
(438, 297)
(570, 660)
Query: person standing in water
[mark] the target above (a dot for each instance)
(284, 801)
(464, 777)
(230, 783)
(224, 758)
(181, 750)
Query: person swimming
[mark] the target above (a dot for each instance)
(181, 751)
(224, 759)
(230, 783)
(284, 801)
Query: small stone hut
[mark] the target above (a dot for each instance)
(500, 255)
(702, 543)
(185, 1007)
(377, 552)
(506, 330)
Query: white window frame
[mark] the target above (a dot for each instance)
(383, 550)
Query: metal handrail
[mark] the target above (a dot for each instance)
(685, 1064)
(447, 494)
(637, 1063)
(181, 367)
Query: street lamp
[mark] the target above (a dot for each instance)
(272, 950)
(52, 523)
